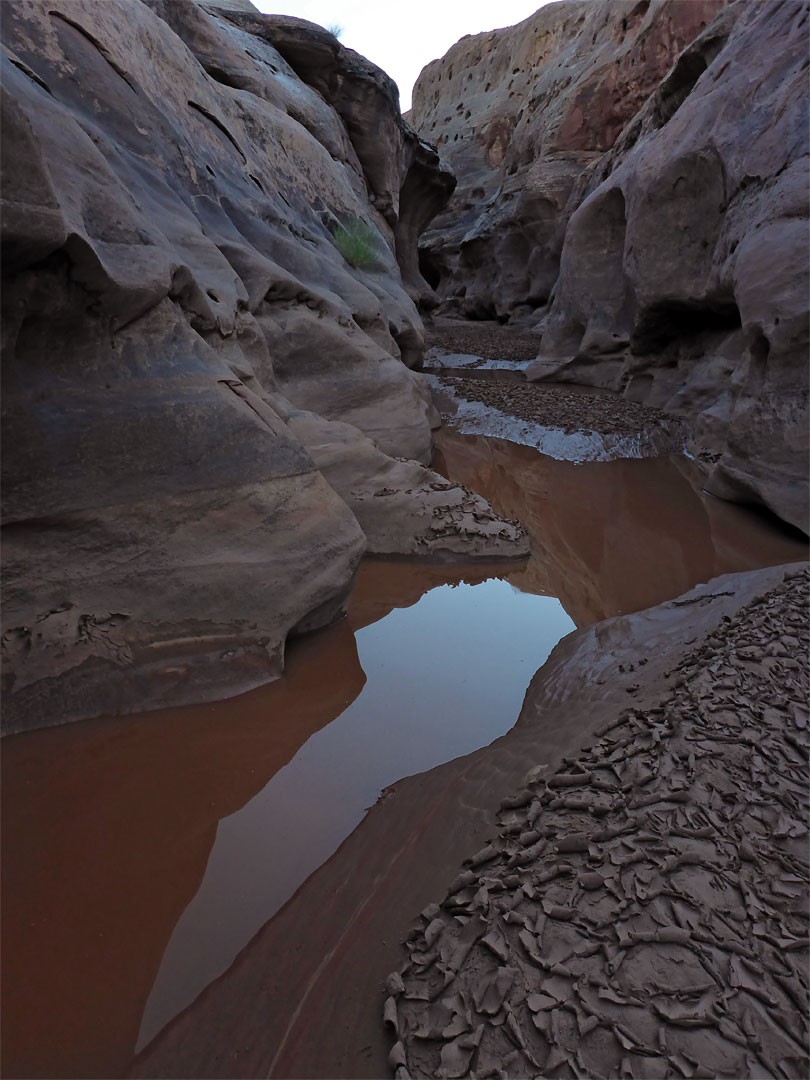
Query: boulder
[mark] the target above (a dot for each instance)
(404, 508)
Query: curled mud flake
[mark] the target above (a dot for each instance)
(490, 993)
(455, 1056)
(563, 780)
(591, 880)
(529, 943)
(480, 902)
(460, 900)
(558, 911)
(433, 932)
(554, 871)
(573, 842)
(528, 855)
(394, 984)
(514, 1029)
(586, 1023)
(731, 1032)
(526, 839)
(541, 1002)
(459, 1025)
(390, 1016)
(397, 1056)
(516, 802)
(453, 950)
(462, 881)
(687, 1014)
(486, 854)
(417, 989)
(496, 942)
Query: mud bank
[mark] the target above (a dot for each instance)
(259, 1017)
(111, 894)
(642, 909)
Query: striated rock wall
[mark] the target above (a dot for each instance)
(684, 276)
(520, 114)
(183, 342)
(633, 181)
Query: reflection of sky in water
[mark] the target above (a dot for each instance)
(444, 677)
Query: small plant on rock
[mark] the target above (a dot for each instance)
(356, 242)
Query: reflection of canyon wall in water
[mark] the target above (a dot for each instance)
(108, 827)
(616, 536)
(259, 1018)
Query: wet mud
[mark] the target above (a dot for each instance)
(566, 407)
(642, 910)
(110, 825)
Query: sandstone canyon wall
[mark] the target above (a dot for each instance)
(633, 182)
(208, 412)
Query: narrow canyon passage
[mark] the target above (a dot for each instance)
(510, 371)
(162, 892)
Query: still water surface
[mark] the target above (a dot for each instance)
(409, 717)
(142, 853)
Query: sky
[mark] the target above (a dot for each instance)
(401, 38)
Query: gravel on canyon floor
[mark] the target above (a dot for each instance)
(642, 912)
(489, 340)
(559, 406)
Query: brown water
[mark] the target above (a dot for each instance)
(141, 854)
(613, 537)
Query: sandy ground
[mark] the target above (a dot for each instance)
(643, 911)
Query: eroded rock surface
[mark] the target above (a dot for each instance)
(520, 114)
(684, 277)
(633, 182)
(642, 910)
(173, 179)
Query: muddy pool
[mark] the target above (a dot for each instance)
(145, 858)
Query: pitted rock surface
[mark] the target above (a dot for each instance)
(643, 912)
(633, 184)
(521, 114)
(684, 276)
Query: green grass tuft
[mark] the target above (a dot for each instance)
(356, 242)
